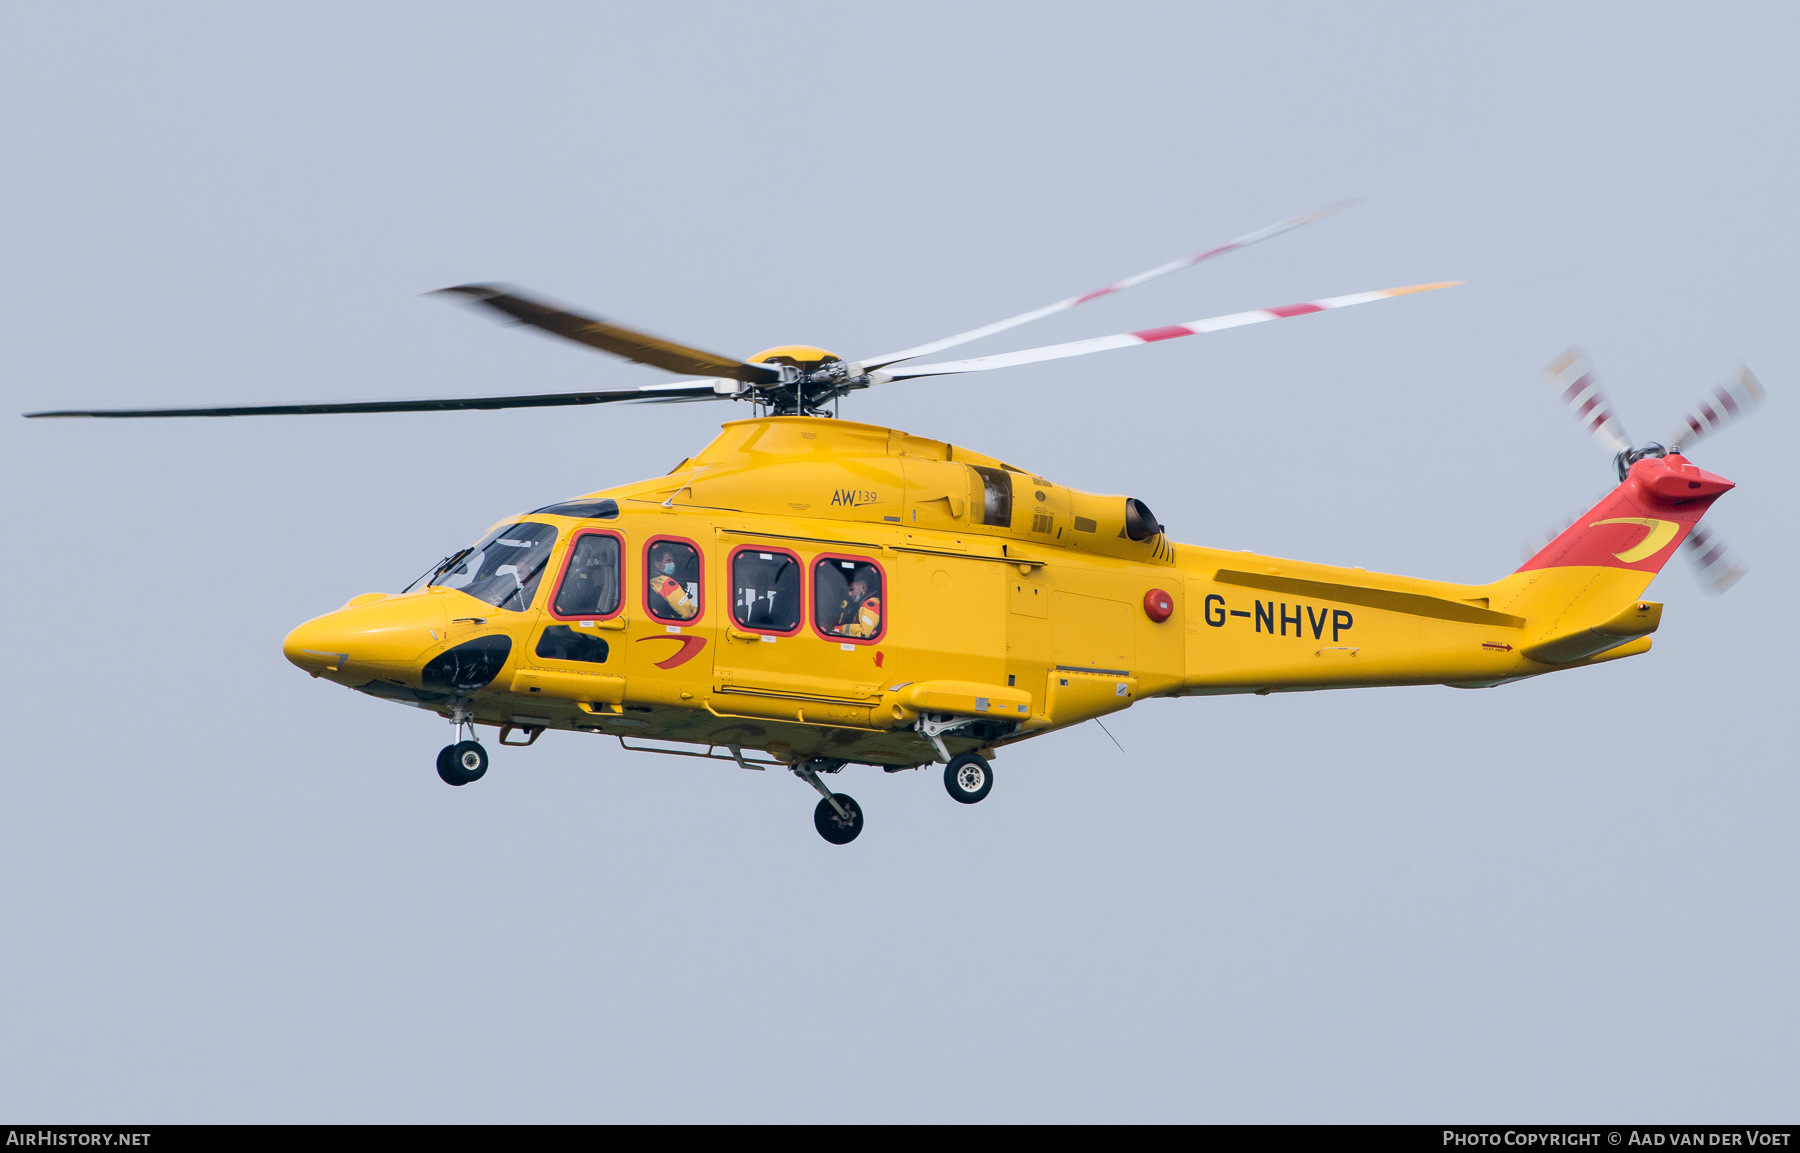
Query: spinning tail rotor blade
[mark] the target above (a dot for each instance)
(614, 338)
(679, 390)
(1159, 271)
(1729, 401)
(1572, 374)
(1145, 336)
(1714, 562)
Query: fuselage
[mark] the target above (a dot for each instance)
(813, 588)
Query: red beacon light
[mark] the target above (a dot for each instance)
(1158, 605)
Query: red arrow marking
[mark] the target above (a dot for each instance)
(689, 647)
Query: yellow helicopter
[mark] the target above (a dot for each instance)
(808, 593)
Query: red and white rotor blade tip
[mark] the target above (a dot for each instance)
(1572, 374)
(1717, 566)
(1728, 402)
(1156, 273)
(1148, 335)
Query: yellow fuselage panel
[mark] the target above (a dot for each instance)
(842, 470)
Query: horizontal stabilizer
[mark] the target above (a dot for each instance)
(1640, 620)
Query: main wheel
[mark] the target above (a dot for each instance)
(968, 778)
(834, 828)
(446, 766)
(463, 762)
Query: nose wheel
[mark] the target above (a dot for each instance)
(463, 762)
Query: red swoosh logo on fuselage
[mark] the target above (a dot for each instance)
(689, 647)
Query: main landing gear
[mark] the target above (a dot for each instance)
(968, 778)
(838, 817)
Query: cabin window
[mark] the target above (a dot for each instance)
(847, 598)
(672, 580)
(590, 583)
(562, 643)
(504, 568)
(765, 590)
(996, 496)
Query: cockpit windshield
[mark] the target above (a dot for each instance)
(504, 568)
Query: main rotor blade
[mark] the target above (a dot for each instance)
(680, 390)
(1148, 335)
(1729, 401)
(614, 338)
(1714, 562)
(1573, 375)
(1159, 271)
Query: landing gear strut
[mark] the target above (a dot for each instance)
(838, 817)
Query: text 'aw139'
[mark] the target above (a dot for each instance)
(810, 593)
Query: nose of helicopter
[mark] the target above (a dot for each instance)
(373, 633)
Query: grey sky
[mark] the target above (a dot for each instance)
(232, 893)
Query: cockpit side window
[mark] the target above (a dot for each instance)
(765, 590)
(504, 568)
(590, 584)
(562, 643)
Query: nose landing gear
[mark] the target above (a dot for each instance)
(462, 763)
(465, 761)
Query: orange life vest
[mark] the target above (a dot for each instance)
(677, 598)
(868, 619)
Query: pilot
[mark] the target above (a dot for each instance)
(860, 614)
(665, 588)
(592, 583)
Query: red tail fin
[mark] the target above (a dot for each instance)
(1640, 523)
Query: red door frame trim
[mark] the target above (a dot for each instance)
(569, 555)
(699, 555)
(814, 615)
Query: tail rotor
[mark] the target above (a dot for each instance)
(1572, 374)
(1729, 402)
(1716, 564)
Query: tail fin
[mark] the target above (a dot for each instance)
(1639, 524)
(1581, 590)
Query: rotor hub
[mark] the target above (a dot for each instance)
(805, 357)
(1624, 460)
(812, 378)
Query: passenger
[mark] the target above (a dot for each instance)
(860, 615)
(665, 588)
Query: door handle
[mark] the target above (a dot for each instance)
(735, 635)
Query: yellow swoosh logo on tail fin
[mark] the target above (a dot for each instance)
(1660, 534)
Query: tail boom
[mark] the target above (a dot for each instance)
(1262, 624)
